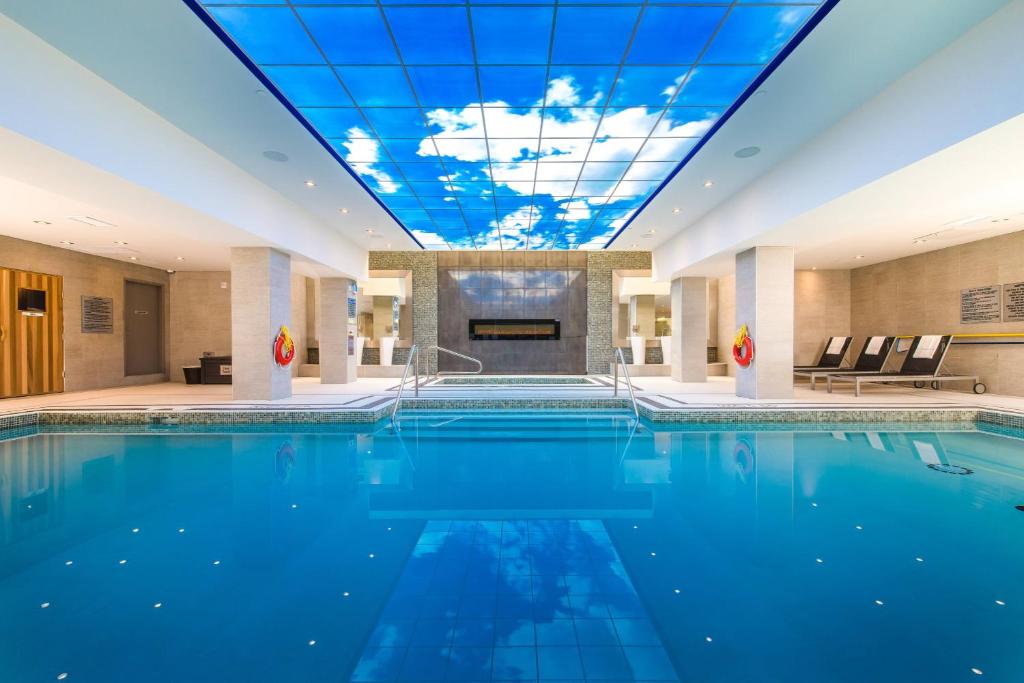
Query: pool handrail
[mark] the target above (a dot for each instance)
(439, 372)
(619, 358)
(413, 356)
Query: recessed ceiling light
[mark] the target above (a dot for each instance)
(66, 242)
(89, 220)
(181, 258)
(814, 267)
(121, 244)
(859, 256)
(170, 271)
(634, 246)
(676, 210)
(40, 221)
(747, 152)
(310, 183)
(708, 183)
(133, 258)
(369, 231)
(343, 209)
(274, 155)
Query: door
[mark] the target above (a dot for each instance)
(143, 329)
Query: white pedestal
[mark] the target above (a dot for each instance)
(639, 347)
(360, 343)
(387, 350)
(666, 350)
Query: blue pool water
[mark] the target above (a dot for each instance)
(511, 547)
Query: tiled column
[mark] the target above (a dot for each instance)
(689, 329)
(337, 360)
(260, 305)
(764, 303)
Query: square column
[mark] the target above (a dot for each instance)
(689, 356)
(261, 292)
(764, 303)
(337, 335)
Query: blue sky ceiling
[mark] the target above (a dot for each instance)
(486, 125)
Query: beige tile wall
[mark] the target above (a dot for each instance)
(726, 320)
(821, 310)
(200, 319)
(91, 361)
(921, 295)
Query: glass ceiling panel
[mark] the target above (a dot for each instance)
(495, 124)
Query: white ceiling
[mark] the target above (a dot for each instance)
(967, 192)
(828, 75)
(159, 53)
(41, 187)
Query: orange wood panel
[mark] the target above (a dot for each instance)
(32, 350)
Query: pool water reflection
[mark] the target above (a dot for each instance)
(511, 547)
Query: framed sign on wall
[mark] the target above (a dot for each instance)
(97, 315)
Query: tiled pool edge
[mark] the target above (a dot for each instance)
(705, 415)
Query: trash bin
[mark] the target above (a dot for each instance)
(193, 374)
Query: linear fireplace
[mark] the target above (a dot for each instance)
(514, 329)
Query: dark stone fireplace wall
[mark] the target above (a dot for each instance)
(513, 284)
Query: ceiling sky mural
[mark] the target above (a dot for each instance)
(485, 125)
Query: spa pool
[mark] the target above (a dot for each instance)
(512, 547)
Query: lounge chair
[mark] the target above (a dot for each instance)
(832, 357)
(870, 361)
(921, 366)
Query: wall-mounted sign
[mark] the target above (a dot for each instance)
(97, 315)
(353, 289)
(980, 305)
(1013, 302)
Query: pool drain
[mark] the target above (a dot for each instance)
(949, 469)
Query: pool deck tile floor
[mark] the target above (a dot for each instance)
(655, 393)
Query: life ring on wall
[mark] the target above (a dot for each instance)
(743, 348)
(284, 347)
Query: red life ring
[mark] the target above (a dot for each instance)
(743, 348)
(284, 347)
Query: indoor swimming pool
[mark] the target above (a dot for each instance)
(512, 547)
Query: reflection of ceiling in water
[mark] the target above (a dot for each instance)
(514, 600)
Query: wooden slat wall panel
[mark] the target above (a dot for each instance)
(33, 348)
(7, 305)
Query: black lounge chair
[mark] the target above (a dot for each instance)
(832, 357)
(870, 361)
(921, 366)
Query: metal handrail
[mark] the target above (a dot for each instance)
(619, 358)
(413, 356)
(439, 373)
